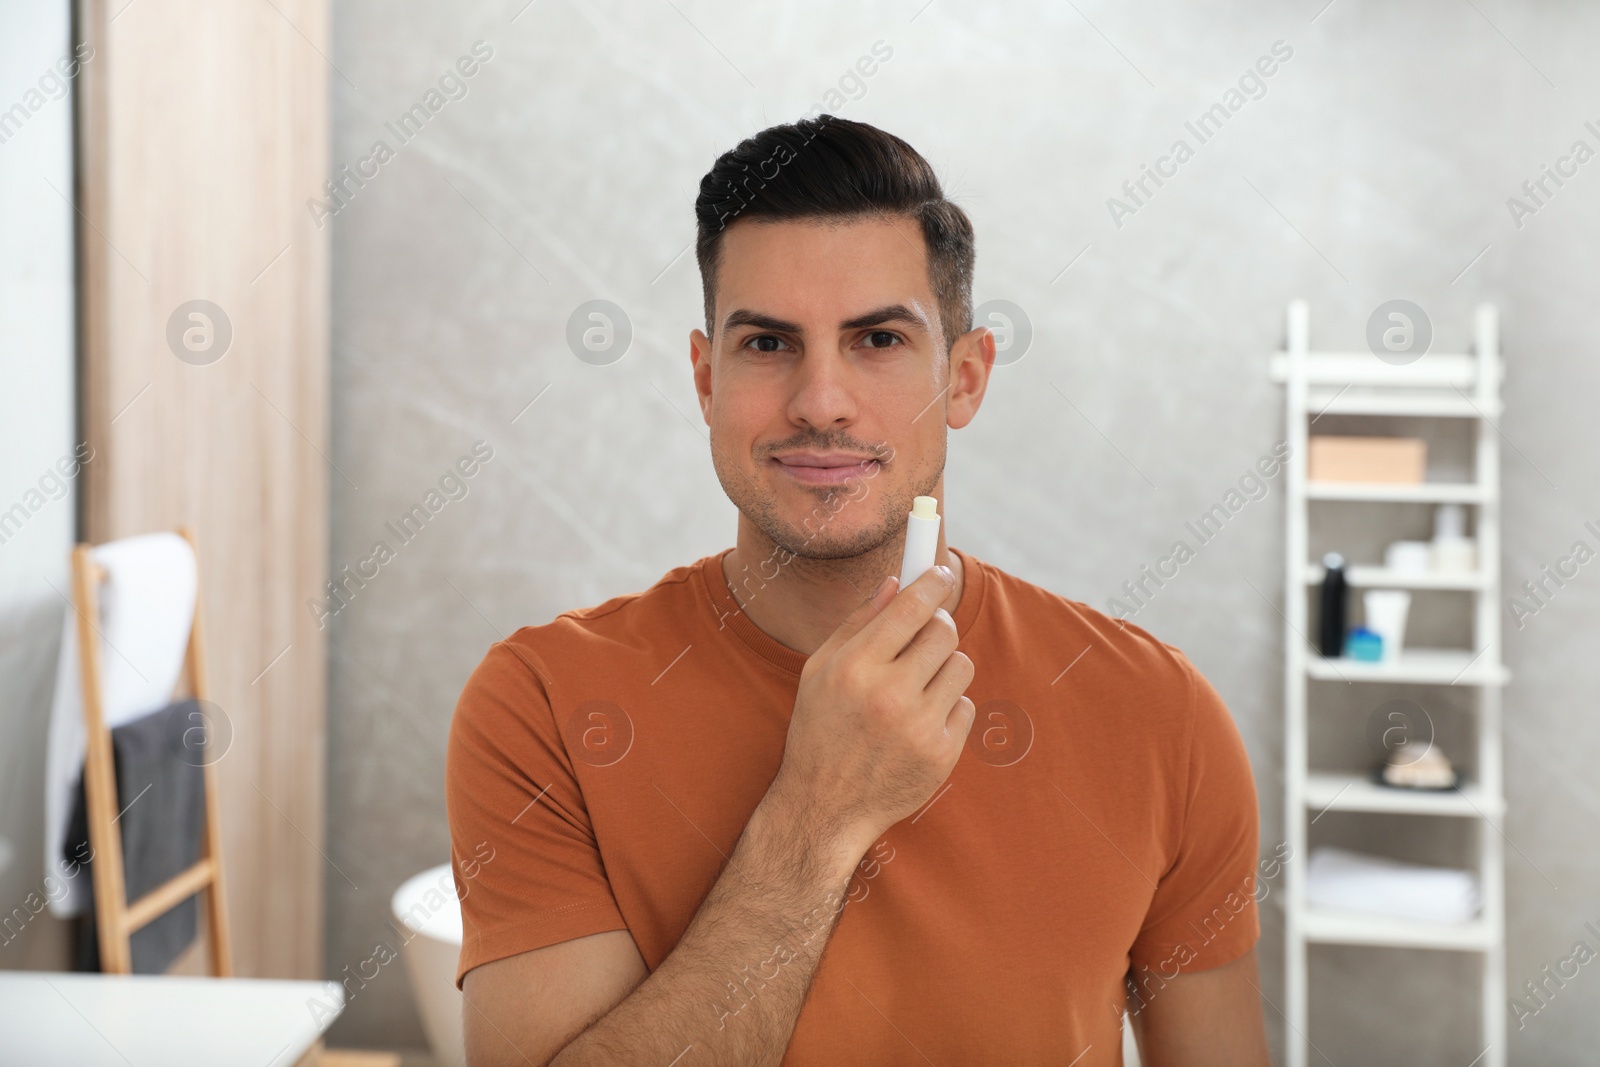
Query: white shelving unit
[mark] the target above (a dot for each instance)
(1435, 386)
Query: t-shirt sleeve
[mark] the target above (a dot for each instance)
(1204, 914)
(527, 866)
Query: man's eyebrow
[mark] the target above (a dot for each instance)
(745, 317)
(879, 316)
(875, 317)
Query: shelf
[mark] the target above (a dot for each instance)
(1330, 927)
(1439, 371)
(1368, 577)
(1427, 403)
(1424, 666)
(1348, 792)
(1417, 493)
(1357, 389)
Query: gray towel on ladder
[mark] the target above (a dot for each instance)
(161, 797)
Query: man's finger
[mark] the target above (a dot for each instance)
(885, 636)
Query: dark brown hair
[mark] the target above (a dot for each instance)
(834, 169)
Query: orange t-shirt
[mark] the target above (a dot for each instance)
(1101, 818)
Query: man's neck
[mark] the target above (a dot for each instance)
(807, 599)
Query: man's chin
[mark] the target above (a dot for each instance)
(823, 543)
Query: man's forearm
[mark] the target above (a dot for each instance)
(734, 985)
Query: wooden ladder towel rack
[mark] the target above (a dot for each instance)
(116, 917)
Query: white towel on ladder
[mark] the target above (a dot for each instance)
(146, 611)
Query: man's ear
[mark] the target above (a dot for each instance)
(971, 360)
(700, 359)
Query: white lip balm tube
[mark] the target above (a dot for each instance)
(922, 539)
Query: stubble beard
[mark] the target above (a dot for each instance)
(832, 539)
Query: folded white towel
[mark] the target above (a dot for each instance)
(1338, 878)
(146, 610)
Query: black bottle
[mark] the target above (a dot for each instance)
(1331, 614)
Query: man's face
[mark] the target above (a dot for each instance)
(826, 387)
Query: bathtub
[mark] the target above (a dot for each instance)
(427, 908)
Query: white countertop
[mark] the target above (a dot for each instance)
(90, 1020)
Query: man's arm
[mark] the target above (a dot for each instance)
(732, 987)
(878, 724)
(1206, 1018)
(523, 1009)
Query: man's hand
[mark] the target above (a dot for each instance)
(881, 716)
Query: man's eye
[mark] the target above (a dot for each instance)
(765, 343)
(881, 339)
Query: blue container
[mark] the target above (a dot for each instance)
(1364, 644)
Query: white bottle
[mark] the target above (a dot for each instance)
(922, 539)
(1453, 551)
(1386, 616)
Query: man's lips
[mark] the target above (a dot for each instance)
(823, 469)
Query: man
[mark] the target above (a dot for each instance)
(766, 810)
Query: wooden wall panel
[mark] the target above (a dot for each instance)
(203, 128)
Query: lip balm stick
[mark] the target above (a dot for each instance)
(922, 539)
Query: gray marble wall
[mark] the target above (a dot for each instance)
(1375, 162)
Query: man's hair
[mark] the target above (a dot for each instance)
(833, 169)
